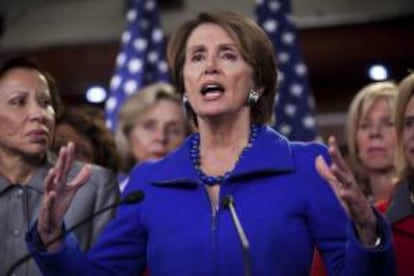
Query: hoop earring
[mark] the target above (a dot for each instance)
(252, 98)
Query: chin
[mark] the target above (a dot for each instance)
(155, 157)
(37, 150)
(213, 110)
(380, 167)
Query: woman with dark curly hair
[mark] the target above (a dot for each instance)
(93, 141)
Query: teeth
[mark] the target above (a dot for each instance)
(211, 87)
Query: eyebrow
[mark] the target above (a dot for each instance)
(16, 91)
(195, 49)
(200, 47)
(228, 46)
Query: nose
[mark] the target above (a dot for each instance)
(160, 135)
(211, 66)
(375, 130)
(37, 113)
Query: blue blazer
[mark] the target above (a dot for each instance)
(284, 206)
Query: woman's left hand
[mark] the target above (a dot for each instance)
(346, 189)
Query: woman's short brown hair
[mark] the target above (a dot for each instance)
(252, 42)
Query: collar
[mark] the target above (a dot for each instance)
(35, 183)
(270, 154)
(401, 205)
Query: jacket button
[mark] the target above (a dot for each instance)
(19, 192)
(16, 232)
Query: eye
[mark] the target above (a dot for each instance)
(364, 125)
(408, 122)
(389, 123)
(196, 57)
(45, 102)
(229, 56)
(174, 130)
(149, 125)
(18, 101)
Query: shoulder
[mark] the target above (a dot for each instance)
(171, 164)
(304, 156)
(176, 165)
(297, 150)
(400, 206)
(99, 175)
(78, 165)
(145, 168)
(102, 181)
(308, 149)
(141, 175)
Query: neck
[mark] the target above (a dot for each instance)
(221, 146)
(221, 135)
(17, 169)
(382, 184)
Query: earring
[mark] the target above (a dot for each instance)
(185, 99)
(253, 97)
(185, 103)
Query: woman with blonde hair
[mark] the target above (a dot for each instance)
(372, 141)
(151, 123)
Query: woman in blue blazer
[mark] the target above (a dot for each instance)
(225, 67)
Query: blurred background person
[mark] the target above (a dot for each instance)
(151, 123)
(29, 104)
(371, 146)
(401, 209)
(372, 140)
(86, 128)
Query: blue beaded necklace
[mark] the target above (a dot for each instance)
(195, 157)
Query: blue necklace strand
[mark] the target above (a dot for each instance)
(195, 157)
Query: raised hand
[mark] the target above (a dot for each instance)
(346, 189)
(59, 192)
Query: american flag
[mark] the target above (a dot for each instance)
(141, 60)
(294, 101)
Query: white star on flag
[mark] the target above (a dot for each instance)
(294, 111)
(141, 60)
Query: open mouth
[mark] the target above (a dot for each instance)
(211, 88)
